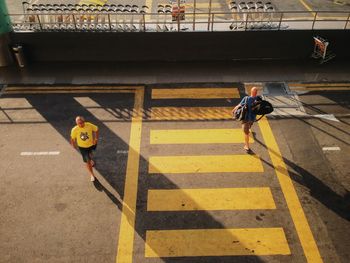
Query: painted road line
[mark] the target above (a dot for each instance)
(196, 93)
(331, 148)
(127, 223)
(216, 242)
(210, 199)
(305, 235)
(48, 88)
(68, 91)
(190, 113)
(149, 4)
(319, 84)
(307, 6)
(39, 153)
(197, 136)
(205, 164)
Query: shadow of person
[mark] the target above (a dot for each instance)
(99, 187)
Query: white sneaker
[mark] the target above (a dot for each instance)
(92, 178)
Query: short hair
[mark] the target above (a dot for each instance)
(79, 117)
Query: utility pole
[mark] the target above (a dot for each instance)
(5, 28)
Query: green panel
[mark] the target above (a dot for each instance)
(5, 22)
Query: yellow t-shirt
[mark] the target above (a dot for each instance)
(84, 135)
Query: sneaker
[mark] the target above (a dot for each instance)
(92, 178)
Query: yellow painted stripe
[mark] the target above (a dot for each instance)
(67, 91)
(210, 199)
(205, 164)
(206, 5)
(300, 221)
(48, 88)
(319, 84)
(321, 89)
(96, 2)
(190, 113)
(197, 136)
(149, 4)
(127, 223)
(216, 242)
(196, 93)
(307, 6)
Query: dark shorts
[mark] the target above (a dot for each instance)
(246, 126)
(87, 152)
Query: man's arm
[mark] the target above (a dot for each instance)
(95, 137)
(73, 143)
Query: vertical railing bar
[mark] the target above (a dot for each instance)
(280, 23)
(313, 23)
(109, 22)
(212, 22)
(194, 15)
(75, 23)
(246, 21)
(37, 16)
(347, 21)
(144, 22)
(209, 15)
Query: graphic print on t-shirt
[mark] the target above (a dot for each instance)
(84, 136)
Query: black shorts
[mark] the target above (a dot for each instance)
(86, 152)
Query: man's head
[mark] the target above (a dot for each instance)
(254, 92)
(79, 120)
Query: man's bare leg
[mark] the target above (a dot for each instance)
(90, 169)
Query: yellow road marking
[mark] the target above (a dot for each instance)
(190, 113)
(197, 136)
(319, 84)
(67, 91)
(216, 242)
(127, 223)
(205, 164)
(300, 221)
(307, 6)
(210, 199)
(206, 5)
(149, 4)
(196, 93)
(96, 2)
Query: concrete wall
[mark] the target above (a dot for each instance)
(184, 46)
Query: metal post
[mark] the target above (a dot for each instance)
(41, 28)
(209, 14)
(279, 25)
(109, 22)
(144, 22)
(5, 28)
(246, 21)
(75, 24)
(313, 23)
(194, 15)
(212, 22)
(347, 22)
(178, 15)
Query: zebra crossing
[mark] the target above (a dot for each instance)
(171, 158)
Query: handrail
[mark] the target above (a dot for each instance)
(195, 21)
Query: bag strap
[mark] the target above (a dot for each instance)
(260, 118)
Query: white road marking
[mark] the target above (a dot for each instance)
(331, 148)
(329, 117)
(39, 153)
(122, 152)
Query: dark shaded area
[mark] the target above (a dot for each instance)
(60, 110)
(189, 46)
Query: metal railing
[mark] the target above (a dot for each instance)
(137, 19)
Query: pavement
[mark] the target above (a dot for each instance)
(174, 184)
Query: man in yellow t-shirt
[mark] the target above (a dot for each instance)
(84, 136)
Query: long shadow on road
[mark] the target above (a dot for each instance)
(60, 112)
